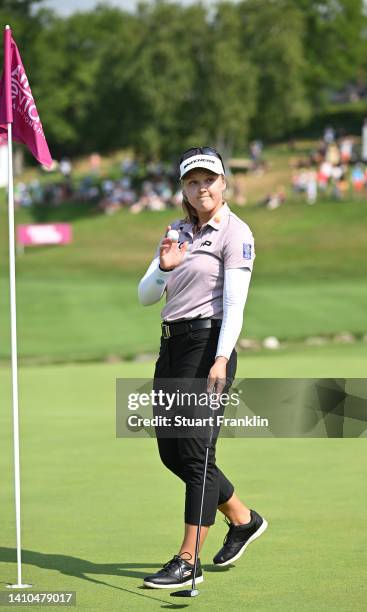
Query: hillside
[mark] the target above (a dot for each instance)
(80, 302)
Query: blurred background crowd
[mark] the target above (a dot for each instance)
(336, 168)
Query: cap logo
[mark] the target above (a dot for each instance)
(198, 160)
(209, 162)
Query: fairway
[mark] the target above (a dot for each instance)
(99, 512)
(80, 303)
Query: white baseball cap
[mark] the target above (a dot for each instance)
(209, 162)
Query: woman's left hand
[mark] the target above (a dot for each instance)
(217, 375)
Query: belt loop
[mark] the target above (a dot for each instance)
(165, 331)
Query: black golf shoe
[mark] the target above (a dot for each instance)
(176, 573)
(238, 538)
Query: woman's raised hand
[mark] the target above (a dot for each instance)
(171, 254)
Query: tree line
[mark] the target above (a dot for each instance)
(169, 76)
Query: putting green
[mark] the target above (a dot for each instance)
(99, 512)
(299, 361)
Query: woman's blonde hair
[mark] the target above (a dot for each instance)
(190, 212)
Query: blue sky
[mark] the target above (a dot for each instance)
(69, 6)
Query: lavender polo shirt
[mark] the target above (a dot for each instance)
(195, 288)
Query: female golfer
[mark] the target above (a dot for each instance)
(206, 276)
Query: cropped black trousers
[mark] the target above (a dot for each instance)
(188, 356)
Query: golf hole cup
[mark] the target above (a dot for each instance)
(173, 235)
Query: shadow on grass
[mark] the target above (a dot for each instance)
(215, 569)
(78, 568)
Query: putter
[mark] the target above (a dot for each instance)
(193, 592)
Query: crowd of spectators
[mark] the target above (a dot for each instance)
(333, 169)
(153, 187)
(274, 199)
(139, 187)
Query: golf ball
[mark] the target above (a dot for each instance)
(173, 235)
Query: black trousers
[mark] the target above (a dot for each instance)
(191, 356)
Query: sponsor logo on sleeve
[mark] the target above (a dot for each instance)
(247, 250)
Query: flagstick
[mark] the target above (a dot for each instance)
(14, 360)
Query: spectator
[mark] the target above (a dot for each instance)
(357, 178)
(324, 175)
(339, 183)
(65, 167)
(329, 134)
(177, 198)
(95, 164)
(311, 187)
(275, 199)
(364, 141)
(256, 149)
(346, 149)
(333, 154)
(299, 181)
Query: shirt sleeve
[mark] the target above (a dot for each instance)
(153, 284)
(236, 286)
(154, 281)
(238, 247)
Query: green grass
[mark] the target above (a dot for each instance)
(62, 319)
(332, 361)
(296, 242)
(80, 302)
(99, 513)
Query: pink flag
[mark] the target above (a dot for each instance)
(17, 105)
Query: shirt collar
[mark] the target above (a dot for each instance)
(214, 222)
(222, 213)
(186, 228)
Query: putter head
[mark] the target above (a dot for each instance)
(185, 593)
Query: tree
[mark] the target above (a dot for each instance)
(172, 76)
(75, 62)
(230, 82)
(334, 42)
(23, 8)
(151, 79)
(272, 34)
